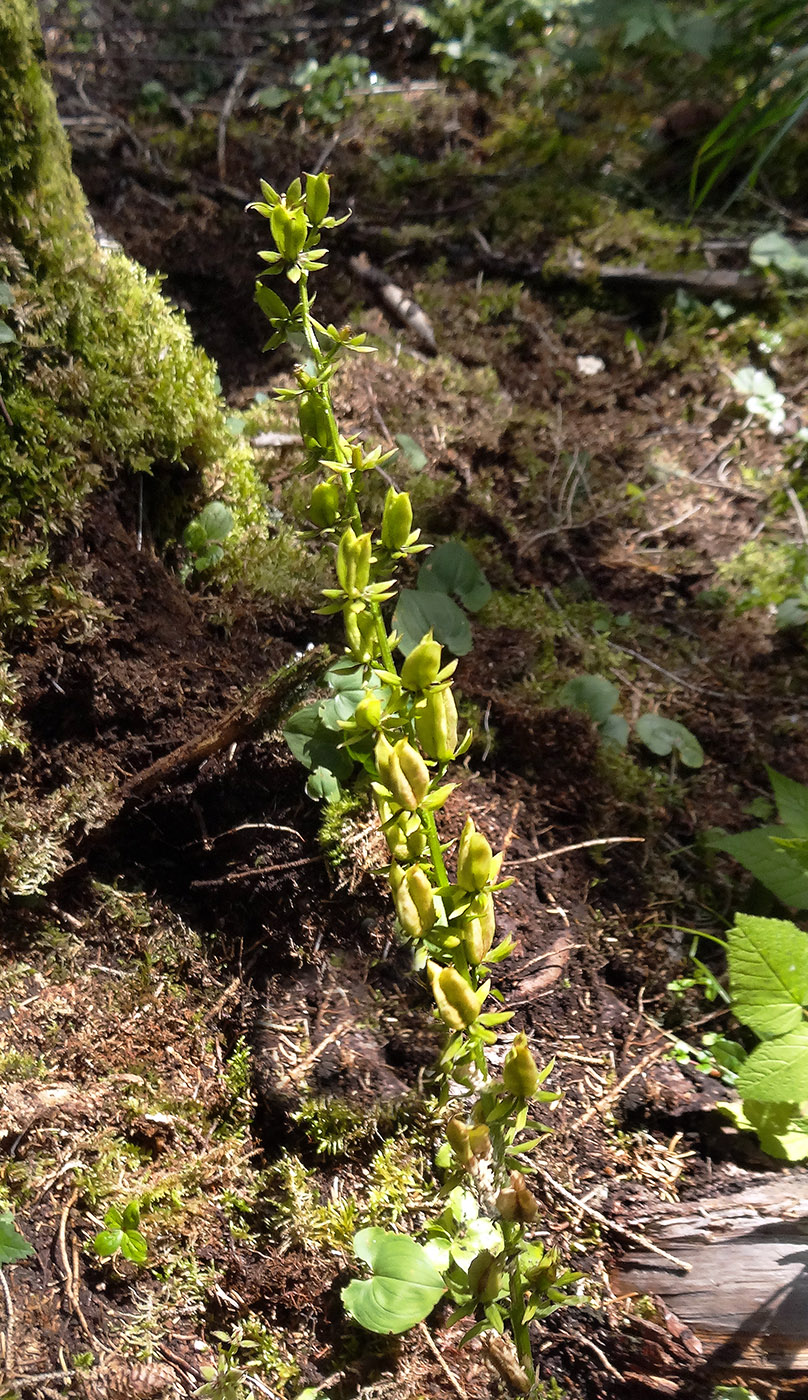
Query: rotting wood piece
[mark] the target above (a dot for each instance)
(261, 710)
(746, 1295)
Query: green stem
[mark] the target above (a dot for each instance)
(433, 841)
(381, 637)
(520, 1329)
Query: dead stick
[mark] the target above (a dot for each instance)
(450, 1375)
(578, 846)
(615, 1092)
(8, 1339)
(636, 1238)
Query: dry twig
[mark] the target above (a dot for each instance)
(627, 1233)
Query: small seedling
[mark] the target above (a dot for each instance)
(121, 1235)
(204, 536)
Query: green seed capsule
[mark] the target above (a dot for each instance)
(318, 197)
(485, 1276)
(458, 1004)
(396, 520)
(457, 1134)
(403, 772)
(360, 633)
(520, 1073)
(415, 905)
(420, 670)
(476, 864)
(353, 561)
(289, 231)
(479, 928)
(368, 713)
(436, 725)
(324, 505)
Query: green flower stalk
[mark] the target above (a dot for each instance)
(403, 730)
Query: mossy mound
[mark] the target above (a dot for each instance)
(100, 376)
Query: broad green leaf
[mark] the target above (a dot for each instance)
(6, 334)
(404, 1287)
(216, 520)
(768, 974)
(418, 611)
(108, 1242)
(134, 1246)
(323, 786)
(314, 744)
(792, 612)
(777, 1070)
(6, 295)
(792, 802)
(270, 303)
(770, 864)
(452, 568)
(782, 1128)
(414, 456)
(131, 1216)
(614, 730)
(12, 1244)
(662, 736)
(596, 696)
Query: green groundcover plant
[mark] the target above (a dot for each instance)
(393, 715)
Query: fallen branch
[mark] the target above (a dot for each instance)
(641, 1240)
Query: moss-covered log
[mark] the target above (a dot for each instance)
(99, 374)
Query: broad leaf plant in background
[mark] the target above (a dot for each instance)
(398, 721)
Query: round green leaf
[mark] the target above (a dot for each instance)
(108, 1242)
(216, 520)
(404, 1287)
(134, 1246)
(452, 568)
(596, 696)
(662, 736)
(419, 612)
(314, 744)
(6, 334)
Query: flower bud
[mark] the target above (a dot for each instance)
(476, 865)
(421, 667)
(485, 1276)
(288, 230)
(520, 1073)
(415, 906)
(403, 772)
(436, 725)
(458, 1004)
(516, 1202)
(457, 1134)
(396, 520)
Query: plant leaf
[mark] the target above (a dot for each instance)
(782, 1128)
(216, 520)
(596, 696)
(13, 1245)
(414, 456)
(768, 974)
(404, 1288)
(314, 744)
(134, 1246)
(770, 864)
(418, 611)
(108, 1242)
(6, 334)
(662, 736)
(777, 1070)
(452, 568)
(792, 802)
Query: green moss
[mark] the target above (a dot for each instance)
(16, 1068)
(764, 573)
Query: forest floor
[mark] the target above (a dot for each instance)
(208, 1012)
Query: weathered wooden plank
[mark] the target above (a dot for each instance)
(746, 1295)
